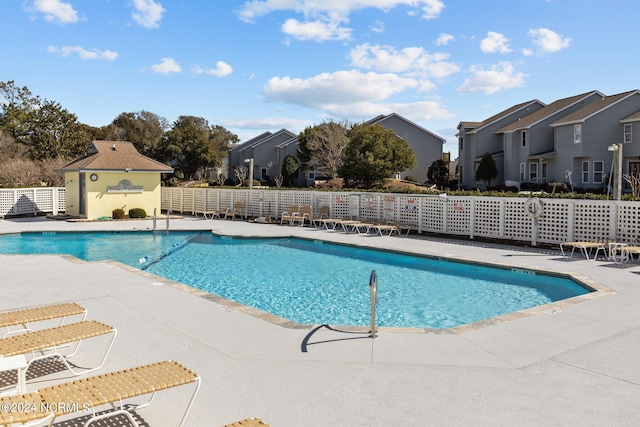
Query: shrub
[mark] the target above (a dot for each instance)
(117, 214)
(137, 213)
(410, 178)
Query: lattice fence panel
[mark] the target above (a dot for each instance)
(409, 211)
(432, 219)
(269, 204)
(211, 199)
(370, 207)
(254, 205)
(165, 198)
(628, 229)
(459, 215)
(226, 199)
(188, 200)
(319, 200)
(285, 200)
(200, 201)
(303, 198)
(62, 199)
(592, 221)
(553, 225)
(517, 223)
(44, 199)
(25, 203)
(340, 205)
(488, 212)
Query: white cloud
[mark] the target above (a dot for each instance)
(269, 123)
(323, 19)
(54, 11)
(222, 69)
(315, 30)
(415, 111)
(444, 39)
(410, 60)
(147, 13)
(329, 90)
(166, 66)
(83, 53)
(377, 27)
(498, 77)
(495, 42)
(548, 40)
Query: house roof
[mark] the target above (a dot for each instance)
(545, 112)
(381, 118)
(631, 118)
(503, 114)
(587, 111)
(252, 141)
(114, 156)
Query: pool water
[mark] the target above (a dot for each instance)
(311, 282)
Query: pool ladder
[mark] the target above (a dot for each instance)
(373, 289)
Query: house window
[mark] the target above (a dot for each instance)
(543, 172)
(522, 172)
(311, 175)
(577, 134)
(523, 138)
(460, 143)
(263, 174)
(585, 172)
(533, 172)
(598, 171)
(627, 133)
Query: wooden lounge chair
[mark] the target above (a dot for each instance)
(323, 214)
(42, 407)
(47, 343)
(629, 251)
(287, 217)
(24, 317)
(585, 247)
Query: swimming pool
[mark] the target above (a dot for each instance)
(311, 282)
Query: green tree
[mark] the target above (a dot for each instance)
(438, 173)
(54, 133)
(17, 107)
(322, 147)
(373, 154)
(487, 170)
(143, 129)
(290, 169)
(192, 145)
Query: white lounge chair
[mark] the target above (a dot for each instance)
(23, 318)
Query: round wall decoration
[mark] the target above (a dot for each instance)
(94, 177)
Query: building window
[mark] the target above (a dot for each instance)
(533, 172)
(543, 172)
(263, 174)
(585, 172)
(627, 133)
(311, 175)
(522, 172)
(577, 134)
(598, 171)
(523, 138)
(460, 143)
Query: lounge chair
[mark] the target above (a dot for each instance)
(323, 213)
(47, 343)
(42, 407)
(629, 251)
(24, 317)
(382, 228)
(210, 214)
(302, 216)
(585, 247)
(249, 422)
(288, 216)
(237, 210)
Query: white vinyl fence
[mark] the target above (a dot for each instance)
(504, 218)
(32, 201)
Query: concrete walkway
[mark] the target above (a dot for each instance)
(565, 364)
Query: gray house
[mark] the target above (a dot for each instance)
(529, 149)
(268, 150)
(568, 140)
(426, 146)
(475, 139)
(582, 139)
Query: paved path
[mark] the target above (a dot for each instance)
(568, 364)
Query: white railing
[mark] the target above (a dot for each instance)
(32, 201)
(502, 218)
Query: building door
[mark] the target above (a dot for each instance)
(82, 199)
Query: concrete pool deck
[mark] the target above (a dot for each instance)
(573, 364)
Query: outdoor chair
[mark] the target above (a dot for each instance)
(48, 343)
(237, 210)
(585, 247)
(249, 422)
(323, 213)
(82, 396)
(23, 318)
(302, 216)
(288, 216)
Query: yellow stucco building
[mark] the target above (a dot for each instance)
(112, 175)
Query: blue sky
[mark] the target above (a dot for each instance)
(259, 65)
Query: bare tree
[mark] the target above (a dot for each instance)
(634, 183)
(20, 173)
(241, 173)
(279, 180)
(222, 174)
(325, 145)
